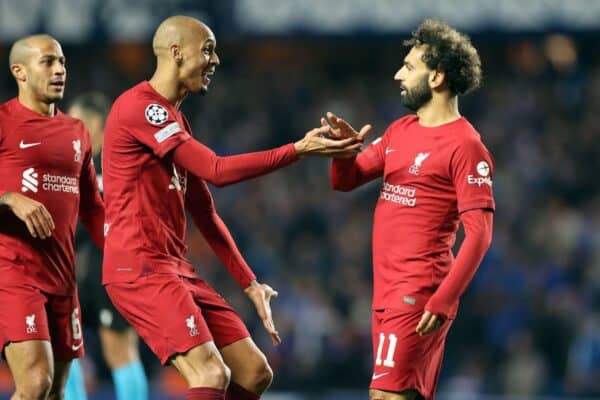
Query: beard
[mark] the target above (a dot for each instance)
(418, 96)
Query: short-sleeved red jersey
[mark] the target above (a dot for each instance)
(430, 175)
(144, 191)
(49, 160)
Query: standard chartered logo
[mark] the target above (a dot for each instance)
(404, 195)
(52, 183)
(29, 182)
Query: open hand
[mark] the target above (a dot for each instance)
(340, 129)
(261, 294)
(315, 143)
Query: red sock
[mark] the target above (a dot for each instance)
(205, 394)
(236, 392)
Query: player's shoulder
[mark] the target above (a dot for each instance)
(142, 104)
(464, 133)
(403, 123)
(68, 120)
(7, 108)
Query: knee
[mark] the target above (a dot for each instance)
(217, 374)
(38, 385)
(262, 376)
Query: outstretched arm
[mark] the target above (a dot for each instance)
(221, 171)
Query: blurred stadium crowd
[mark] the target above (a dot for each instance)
(529, 322)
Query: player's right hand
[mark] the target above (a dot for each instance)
(340, 129)
(261, 294)
(33, 213)
(315, 143)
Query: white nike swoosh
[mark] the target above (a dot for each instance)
(76, 347)
(23, 145)
(388, 151)
(377, 376)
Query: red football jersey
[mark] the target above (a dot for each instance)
(430, 175)
(144, 191)
(49, 160)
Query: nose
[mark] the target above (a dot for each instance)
(59, 69)
(398, 76)
(215, 59)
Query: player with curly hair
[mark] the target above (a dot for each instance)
(436, 174)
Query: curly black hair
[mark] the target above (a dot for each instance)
(450, 51)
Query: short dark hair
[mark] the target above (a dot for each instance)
(450, 51)
(93, 102)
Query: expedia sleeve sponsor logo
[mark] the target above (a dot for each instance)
(404, 195)
(483, 170)
(478, 180)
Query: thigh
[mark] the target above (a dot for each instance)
(22, 314)
(403, 360)
(225, 325)
(64, 321)
(25, 357)
(163, 312)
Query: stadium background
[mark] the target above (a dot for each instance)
(529, 326)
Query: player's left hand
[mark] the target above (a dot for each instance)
(261, 295)
(429, 323)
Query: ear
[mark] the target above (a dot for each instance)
(175, 50)
(18, 71)
(437, 79)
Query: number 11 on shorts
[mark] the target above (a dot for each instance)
(389, 359)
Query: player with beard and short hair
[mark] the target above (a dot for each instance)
(48, 181)
(152, 171)
(436, 174)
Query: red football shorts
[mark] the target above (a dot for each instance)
(404, 360)
(27, 313)
(174, 314)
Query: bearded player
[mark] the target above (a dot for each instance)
(152, 171)
(48, 180)
(436, 174)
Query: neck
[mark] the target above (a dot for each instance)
(30, 102)
(440, 110)
(167, 85)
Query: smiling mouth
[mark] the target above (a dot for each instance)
(207, 75)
